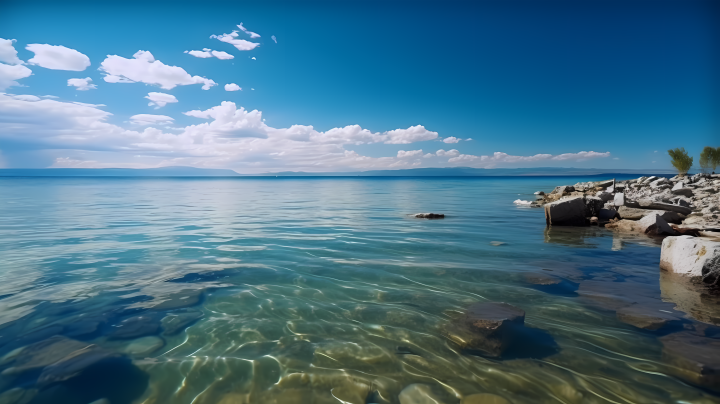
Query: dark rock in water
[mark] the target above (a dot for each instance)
(488, 327)
(134, 327)
(17, 396)
(73, 364)
(694, 359)
(32, 336)
(704, 330)
(81, 328)
(606, 215)
(593, 206)
(175, 322)
(566, 212)
(183, 298)
(44, 353)
(542, 279)
(647, 317)
(429, 215)
(403, 350)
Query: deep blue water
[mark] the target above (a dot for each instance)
(319, 290)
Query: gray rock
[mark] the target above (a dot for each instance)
(429, 215)
(619, 199)
(655, 225)
(650, 204)
(593, 205)
(539, 193)
(566, 212)
(605, 196)
(488, 327)
(681, 189)
(44, 353)
(144, 346)
(606, 214)
(73, 364)
(563, 189)
(693, 358)
(646, 317)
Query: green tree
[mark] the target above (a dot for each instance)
(709, 159)
(680, 160)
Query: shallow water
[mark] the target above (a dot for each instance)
(323, 290)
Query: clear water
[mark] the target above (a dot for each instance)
(322, 290)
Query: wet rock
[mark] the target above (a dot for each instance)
(566, 212)
(144, 346)
(42, 354)
(176, 322)
(183, 298)
(695, 257)
(73, 364)
(17, 396)
(647, 317)
(593, 205)
(690, 298)
(693, 358)
(542, 279)
(81, 328)
(429, 215)
(484, 398)
(421, 394)
(135, 327)
(655, 225)
(488, 327)
(606, 215)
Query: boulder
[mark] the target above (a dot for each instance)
(175, 322)
(695, 257)
(563, 189)
(566, 212)
(593, 205)
(681, 189)
(606, 215)
(429, 215)
(637, 214)
(647, 317)
(421, 394)
(488, 327)
(619, 199)
(144, 346)
(134, 327)
(539, 193)
(43, 353)
(650, 204)
(605, 196)
(655, 225)
(693, 358)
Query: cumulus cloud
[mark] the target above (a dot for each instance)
(143, 68)
(451, 139)
(402, 154)
(240, 44)
(148, 119)
(232, 87)
(82, 84)
(8, 54)
(580, 156)
(57, 57)
(160, 100)
(273, 38)
(9, 74)
(412, 134)
(227, 136)
(208, 53)
(243, 29)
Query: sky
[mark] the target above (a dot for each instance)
(268, 86)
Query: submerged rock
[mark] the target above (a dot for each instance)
(488, 327)
(135, 327)
(429, 215)
(647, 317)
(693, 358)
(17, 396)
(44, 353)
(144, 346)
(421, 394)
(176, 322)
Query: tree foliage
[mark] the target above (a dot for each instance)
(709, 158)
(680, 160)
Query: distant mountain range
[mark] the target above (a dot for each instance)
(413, 172)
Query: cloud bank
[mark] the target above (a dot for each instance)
(143, 68)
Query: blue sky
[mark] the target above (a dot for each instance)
(358, 85)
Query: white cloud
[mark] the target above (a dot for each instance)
(252, 34)
(57, 57)
(145, 69)
(160, 100)
(583, 155)
(232, 87)
(148, 119)
(402, 154)
(240, 44)
(8, 54)
(412, 134)
(9, 73)
(273, 38)
(253, 58)
(449, 153)
(451, 139)
(208, 53)
(82, 84)
(228, 137)
(468, 139)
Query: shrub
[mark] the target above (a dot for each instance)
(709, 159)
(680, 160)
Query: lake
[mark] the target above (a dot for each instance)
(318, 290)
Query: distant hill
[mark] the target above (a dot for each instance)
(117, 172)
(413, 172)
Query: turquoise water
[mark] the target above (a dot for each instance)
(322, 290)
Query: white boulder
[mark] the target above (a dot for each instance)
(690, 256)
(655, 225)
(619, 199)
